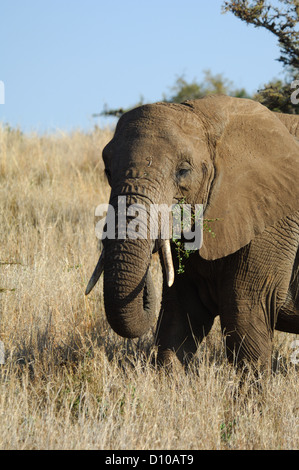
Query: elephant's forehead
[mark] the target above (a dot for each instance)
(167, 121)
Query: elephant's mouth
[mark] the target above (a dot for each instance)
(163, 245)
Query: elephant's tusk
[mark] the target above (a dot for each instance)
(166, 252)
(96, 274)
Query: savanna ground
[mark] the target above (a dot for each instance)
(68, 382)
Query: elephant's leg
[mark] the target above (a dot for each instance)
(182, 324)
(256, 289)
(248, 337)
(288, 315)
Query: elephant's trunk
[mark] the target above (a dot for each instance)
(128, 289)
(129, 312)
(129, 294)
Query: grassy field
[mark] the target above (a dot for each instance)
(68, 382)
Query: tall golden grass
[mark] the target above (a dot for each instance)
(68, 382)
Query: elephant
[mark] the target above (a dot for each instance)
(240, 161)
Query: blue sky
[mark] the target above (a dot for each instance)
(62, 60)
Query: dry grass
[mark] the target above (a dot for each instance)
(68, 381)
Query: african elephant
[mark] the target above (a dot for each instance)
(241, 162)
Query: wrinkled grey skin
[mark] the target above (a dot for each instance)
(241, 162)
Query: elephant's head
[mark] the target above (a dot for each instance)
(231, 155)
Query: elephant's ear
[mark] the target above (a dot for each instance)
(256, 179)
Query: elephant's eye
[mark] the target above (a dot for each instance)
(183, 176)
(183, 171)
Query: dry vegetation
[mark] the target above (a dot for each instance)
(68, 381)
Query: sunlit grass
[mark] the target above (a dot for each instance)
(68, 381)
